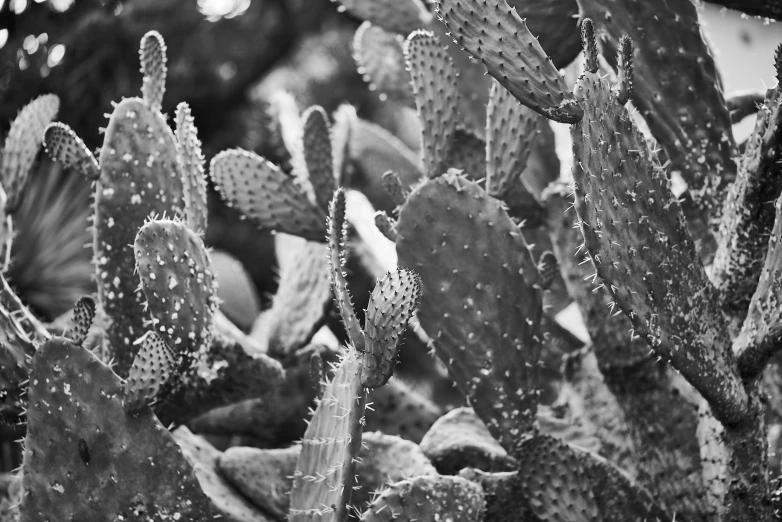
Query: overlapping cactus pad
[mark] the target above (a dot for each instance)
(86, 459)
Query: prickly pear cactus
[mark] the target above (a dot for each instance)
(179, 286)
(140, 177)
(428, 498)
(325, 472)
(480, 305)
(105, 464)
(495, 34)
(194, 181)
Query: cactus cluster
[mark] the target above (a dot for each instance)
(669, 412)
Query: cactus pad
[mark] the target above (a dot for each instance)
(316, 142)
(511, 130)
(152, 367)
(194, 181)
(266, 195)
(153, 68)
(391, 305)
(106, 465)
(436, 96)
(23, 143)
(380, 58)
(140, 177)
(636, 236)
(81, 321)
(494, 34)
(479, 306)
(397, 193)
(178, 282)
(625, 66)
(399, 16)
(428, 498)
(65, 147)
(324, 477)
(386, 225)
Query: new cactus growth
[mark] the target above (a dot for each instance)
(194, 180)
(152, 367)
(67, 149)
(153, 69)
(81, 322)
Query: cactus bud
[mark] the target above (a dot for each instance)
(548, 267)
(153, 67)
(625, 60)
(386, 225)
(589, 43)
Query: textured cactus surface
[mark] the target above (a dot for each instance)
(495, 34)
(23, 143)
(436, 96)
(66, 148)
(106, 464)
(691, 124)
(472, 260)
(178, 283)
(266, 195)
(428, 498)
(194, 180)
(141, 177)
(380, 58)
(325, 472)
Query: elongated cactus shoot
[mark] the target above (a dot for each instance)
(153, 68)
(66, 148)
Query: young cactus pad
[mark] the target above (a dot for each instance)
(425, 498)
(140, 177)
(194, 182)
(105, 464)
(178, 282)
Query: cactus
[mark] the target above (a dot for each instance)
(488, 353)
(67, 149)
(152, 368)
(106, 464)
(153, 69)
(428, 498)
(178, 283)
(380, 57)
(495, 34)
(194, 181)
(436, 96)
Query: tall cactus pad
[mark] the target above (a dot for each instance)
(436, 96)
(493, 33)
(626, 73)
(479, 304)
(424, 498)
(391, 305)
(140, 177)
(380, 58)
(153, 68)
(399, 16)
(325, 473)
(316, 142)
(65, 147)
(194, 181)
(748, 212)
(23, 143)
(266, 195)
(691, 124)
(153, 366)
(106, 465)
(337, 226)
(636, 236)
(178, 282)
(511, 130)
(554, 482)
